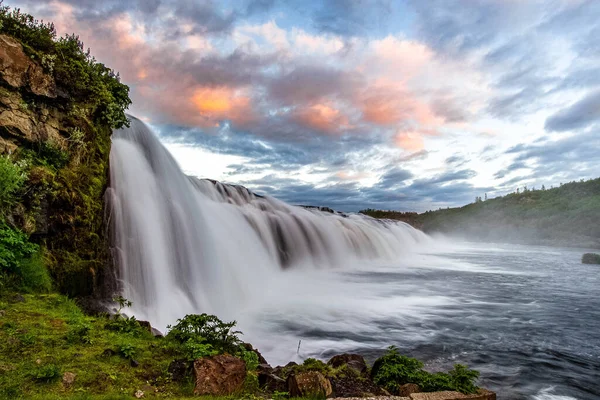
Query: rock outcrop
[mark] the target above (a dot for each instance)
(19, 71)
(219, 375)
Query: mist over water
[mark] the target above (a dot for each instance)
(527, 317)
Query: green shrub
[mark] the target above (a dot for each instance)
(196, 348)
(211, 329)
(12, 179)
(15, 248)
(121, 323)
(251, 359)
(127, 350)
(393, 370)
(47, 373)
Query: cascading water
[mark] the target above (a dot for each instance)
(184, 245)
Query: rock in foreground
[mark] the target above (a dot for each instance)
(309, 384)
(219, 375)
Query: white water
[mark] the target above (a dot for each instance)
(525, 317)
(184, 245)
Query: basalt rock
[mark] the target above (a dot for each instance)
(219, 375)
(309, 384)
(354, 361)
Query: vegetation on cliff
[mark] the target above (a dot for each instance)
(565, 215)
(58, 107)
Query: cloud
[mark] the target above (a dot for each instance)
(579, 115)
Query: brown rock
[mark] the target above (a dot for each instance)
(146, 325)
(18, 70)
(68, 379)
(408, 389)
(219, 375)
(354, 361)
(448, 395)
(309, 384)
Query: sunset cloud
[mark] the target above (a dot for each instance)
(341, 93)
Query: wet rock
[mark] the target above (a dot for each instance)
(179, 369)
(68, 379)
(269, 381)
(156, 333)
(219, 375)
(146, 325)
(354, 361)
(350, 383)
(309, 384)
(408, 389)
(590, 258)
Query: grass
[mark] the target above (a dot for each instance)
(48, 335)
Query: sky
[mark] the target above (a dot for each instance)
(407, 105)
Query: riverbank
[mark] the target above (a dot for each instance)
(50, 349)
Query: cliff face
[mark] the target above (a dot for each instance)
(63, 146)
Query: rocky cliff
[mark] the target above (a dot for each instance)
(58, 107)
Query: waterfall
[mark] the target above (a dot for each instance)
(187, 245)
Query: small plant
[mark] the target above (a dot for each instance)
(79, 333)
(211, 329)
(196, 348)
(280, 395)
(12, 179)
(122, 323)
(47, 373)
(251, 359)
(392, 370)
(127, 351)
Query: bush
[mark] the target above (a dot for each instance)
(12, 179)
(47, 373)
(127, 350)
(15, 248)
(393, 370)
(121, 323)
(207, 330)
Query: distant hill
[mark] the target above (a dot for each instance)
(568, 215)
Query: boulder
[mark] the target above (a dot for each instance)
(219, 375)
(271, 382)
(355, 385)
(354, 361)
(145, 325)
(17, 70)
(408, 389)
(590, 258)
(309, 384)
(448, 395)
